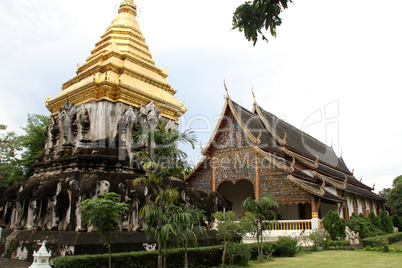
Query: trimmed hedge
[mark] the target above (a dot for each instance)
(200, 257)
(197, 257)
(375, 241)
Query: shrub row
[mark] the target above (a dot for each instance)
(375, 241)
(371, 226)
(197, 257)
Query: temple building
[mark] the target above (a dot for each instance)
(254, 153)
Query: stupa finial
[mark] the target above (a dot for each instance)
(128, 6)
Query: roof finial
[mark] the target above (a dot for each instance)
(353, 170)
(252, 92)
(227, 92)
(373, 186)
(202, 148)
(341, 155)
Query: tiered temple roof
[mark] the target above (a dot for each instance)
(309, 163)
(121, 69)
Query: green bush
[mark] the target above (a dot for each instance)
(376, 241)
(375, 220)
(335, 225)
(319, 237)
(363, 225)
(397, 221)
(241, 253)
(268, 248)
(386, 222)
(285, 247)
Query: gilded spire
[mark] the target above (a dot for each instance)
(121, 69)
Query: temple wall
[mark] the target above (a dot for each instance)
(274, 181)
(203, 180)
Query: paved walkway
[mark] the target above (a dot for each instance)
(8, 263)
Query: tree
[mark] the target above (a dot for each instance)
(263, 211)
(386, 222)
(384, 192)
(187, 223)
(10, 146)
(228, 228)
(33, 141)
(162, 161)
(334, 225)
(394, 197)
(103, 213)
(253, 17)
(17, 153)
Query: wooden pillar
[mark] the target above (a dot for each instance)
(213, 186)
(257, 176)
(314, 207)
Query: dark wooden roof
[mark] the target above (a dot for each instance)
(302, 143)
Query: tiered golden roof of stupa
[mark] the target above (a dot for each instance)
(121, 68)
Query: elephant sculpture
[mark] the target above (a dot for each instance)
(135, 197)
(9, 205)
(27, 204)
(52, 203)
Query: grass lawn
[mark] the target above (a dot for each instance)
(336, 258)
(397, 245)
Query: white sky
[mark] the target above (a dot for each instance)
(334, 69)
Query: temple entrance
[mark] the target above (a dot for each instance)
(234, 194)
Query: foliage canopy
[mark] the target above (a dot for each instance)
(394, 197)
(253, 17)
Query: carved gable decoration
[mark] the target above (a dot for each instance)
(230, 135)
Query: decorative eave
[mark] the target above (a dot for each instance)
(306, 160)
(328, 180)
(306, 187)
(300, 158)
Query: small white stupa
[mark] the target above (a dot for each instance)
(41, 258)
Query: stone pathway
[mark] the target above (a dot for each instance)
(8, 263)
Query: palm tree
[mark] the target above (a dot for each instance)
(162, 161)
(263, 211)
(188, 223)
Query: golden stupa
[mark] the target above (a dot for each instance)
(121, 69)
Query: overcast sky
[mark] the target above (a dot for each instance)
(334, 69)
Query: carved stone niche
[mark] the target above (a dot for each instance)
(66, 119)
